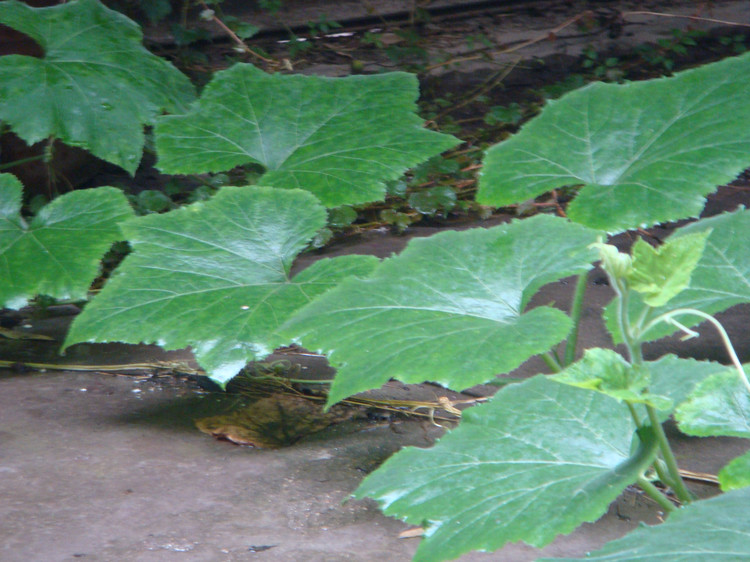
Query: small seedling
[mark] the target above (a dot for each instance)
(603, 68)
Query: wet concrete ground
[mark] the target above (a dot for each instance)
(97, 467)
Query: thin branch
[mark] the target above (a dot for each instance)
(235, 38)
(694, 18)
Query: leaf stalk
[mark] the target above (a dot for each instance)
(576, 309)
(669, 319)
(677, 484)
(655, 494)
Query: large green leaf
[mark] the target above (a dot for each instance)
(538, 460)
(216, 276)
(58, 253)
(718, 405)
(340, 138)
(449, 309)
(714, 530)
(720, 280)
(644, 152)
(96, 86)
(676, 378)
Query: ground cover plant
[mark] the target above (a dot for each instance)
(543, 455)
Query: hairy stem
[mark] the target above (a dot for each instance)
(551, 362)
(576, 309)
(634, 414)
(667, 468)
(663, 472)
(683, 494)
(668, 471)
(661, 469)
(654, 493)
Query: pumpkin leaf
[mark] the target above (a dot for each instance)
(506, 472)
(216, 276)
(675, 378)
(736, 474)
(340, 138)
(96, 86)
(56, 254)
(662, 273)
(449, 308)
(670, 142)
(718, 405)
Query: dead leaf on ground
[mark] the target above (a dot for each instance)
(411, 533)
(273, 422)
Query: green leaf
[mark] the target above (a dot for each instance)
(499, 115)
(341, 217)
(714, 530)
(449, 308)
(722, 277)
(675, 378)
(96, 86)
(340, 138)
(58, 253)
(216, 276)
(736, 474)
(538, 460)
(670, 142)
(242, 29)
(607, 372)
(153, 201)
(430, 201)
(719, 405)
(662, 273)
(720, 280)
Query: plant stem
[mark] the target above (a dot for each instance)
(21, 161)
(671, 476)
(668, 472)
(297, 381)
(576, 310)
(634, 414)
(669, 318)
(167, 365)
(659, 465)
(683, 494)
(663, 472)
(623, 322)
(654, 493)
(235, 38)
(551, 362)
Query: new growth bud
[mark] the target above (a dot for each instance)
(614, 262)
